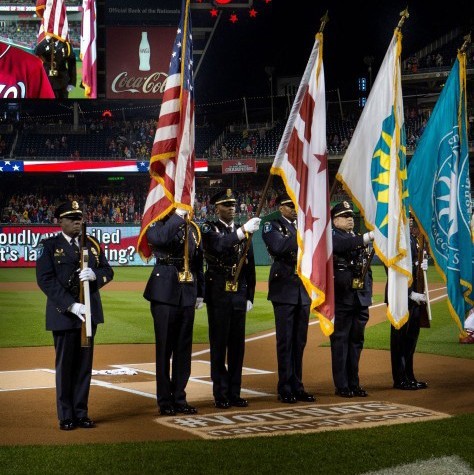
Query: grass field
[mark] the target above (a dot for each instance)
(128, 318)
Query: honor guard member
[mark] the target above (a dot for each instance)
(290, 301)
(353, 296)
(174, 294)
(58, 275)
(403, 341)
(227, 305)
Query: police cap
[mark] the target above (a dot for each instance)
(344, 208)
(69, 209)
(283, 199)
(223, 197)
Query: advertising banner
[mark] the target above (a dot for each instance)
(246, 165)
(19, 244)
(137, 61)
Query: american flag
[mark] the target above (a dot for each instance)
(89, 48)
(53, 19)
(301, 161)
(172, 160)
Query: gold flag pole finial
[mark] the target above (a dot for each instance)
(324, 20)
(404, 15)
(467, 42)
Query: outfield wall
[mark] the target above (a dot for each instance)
(19, 244)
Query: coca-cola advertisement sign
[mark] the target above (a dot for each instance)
(246, 165)
(137, 61)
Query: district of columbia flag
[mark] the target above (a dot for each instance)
(172, 160)
(373, 172)
(440, 192)
(301, 162)
(89, 48)
(53, 20)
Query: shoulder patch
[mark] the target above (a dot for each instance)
(95, 244)
(267, 227)
(205, 228)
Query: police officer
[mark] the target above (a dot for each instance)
(403, 341)
(290, 301)
(174, 294)
(58, 275)
(352, 299)
(61, 71)
(224, 244)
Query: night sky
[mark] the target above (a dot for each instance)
(283, 35)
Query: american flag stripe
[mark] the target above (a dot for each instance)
(301, 161)
(173, 159)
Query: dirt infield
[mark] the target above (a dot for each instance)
(124, 405)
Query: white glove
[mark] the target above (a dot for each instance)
(181, 212)
(424, 264)
(70, 88)
(418, 298)
(87, 274)
(252, 225)
(79, 310)
(368, 237)
(249, 305)
(199, 303)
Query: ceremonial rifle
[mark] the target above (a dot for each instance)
(421, 286)
(84, 292)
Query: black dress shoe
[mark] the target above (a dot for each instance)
(419, 384)
(222, 403)
(238, 402)
(287, 398)
(359, 392)
(85, 423)
(185, 408)
(344, 392)
(67, 424)
(405, 386)
(304, 396)
(167, 410)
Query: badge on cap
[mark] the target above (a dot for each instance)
(75, 205)
(346, 205)
(228, 193)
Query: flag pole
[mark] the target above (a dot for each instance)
(404, 15)
(467, 42)
(232, 286)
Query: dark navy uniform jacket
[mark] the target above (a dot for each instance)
(222, 251)
(284, 284)
(166, 237)
(348, 248)
(57, 277)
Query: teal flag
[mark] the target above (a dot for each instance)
(440, 192)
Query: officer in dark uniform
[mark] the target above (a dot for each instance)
(58, 275)
(224, 245)
(173, 297)
(290, 301)
(62, 71)
(353, 296)
(403, 341)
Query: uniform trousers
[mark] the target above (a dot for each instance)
(347, 342)
(226, 338)
(73, 373)
(291, 324)
(402, 347)
(173, 338)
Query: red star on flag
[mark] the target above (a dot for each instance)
(253, 13)
(323, 163)
(309, 220)
(213, 12)
(234, 18)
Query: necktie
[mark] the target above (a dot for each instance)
(73, 244)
